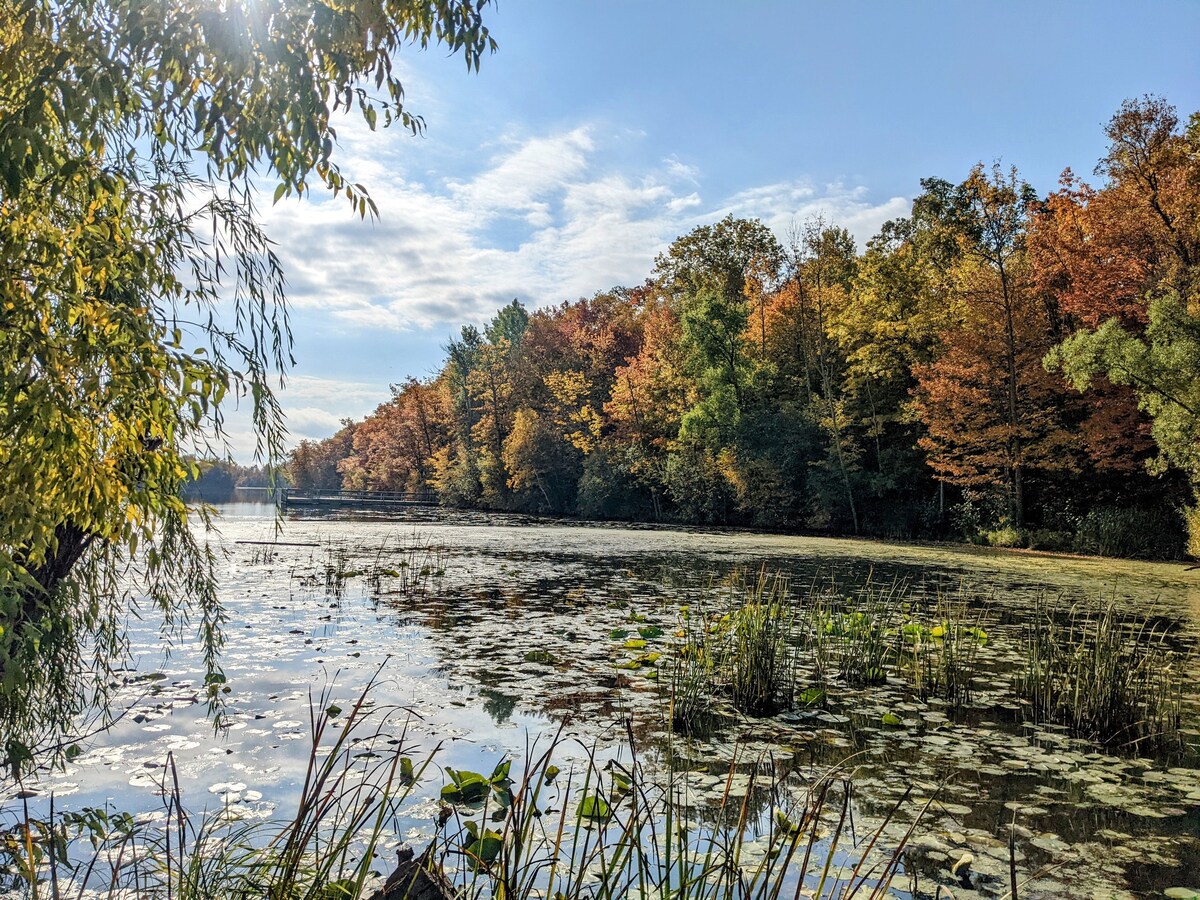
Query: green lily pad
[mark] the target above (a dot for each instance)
(594, 807)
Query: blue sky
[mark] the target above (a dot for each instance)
(601, 131)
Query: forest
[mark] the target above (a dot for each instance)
(999, 367)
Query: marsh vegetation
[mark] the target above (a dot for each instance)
(614, 712)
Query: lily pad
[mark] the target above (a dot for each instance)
(594, 807)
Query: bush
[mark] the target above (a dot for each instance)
(1132, 533)
(1049, 539)
(1005, 536)
(1191, 519)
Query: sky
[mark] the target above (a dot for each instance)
(601, 130)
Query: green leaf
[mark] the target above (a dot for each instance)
(594, 807)
(467, 787)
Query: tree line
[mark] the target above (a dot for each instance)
(998, 366)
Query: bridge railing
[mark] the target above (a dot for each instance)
(294, 496)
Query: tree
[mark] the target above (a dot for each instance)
(823, 261)
(393, 446)
(1162, 365)
(138, 290)
(721, 256)
(316, 465)
(1131, 271)
(992, 415)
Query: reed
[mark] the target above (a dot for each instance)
(760, 657)
(324, 851)
(743, 656)
(941, 657)
(1108, 681)
(854, 638)
(609, 828)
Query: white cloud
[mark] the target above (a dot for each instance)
(543, 219)
(682, 170)
(783, 205)
(308, 387)
(522, 180)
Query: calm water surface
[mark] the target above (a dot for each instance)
(513, 640)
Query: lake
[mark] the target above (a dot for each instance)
(491, 631)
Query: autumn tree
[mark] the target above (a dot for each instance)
(1126, 261)
(393, 449)
(822, 265)
(992, 414)
(317, 465)
(649, 395)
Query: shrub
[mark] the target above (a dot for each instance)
(1131, 532)
(1191, 518)
(1005, 536)
(1050, 539)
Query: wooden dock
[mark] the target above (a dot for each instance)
(379, 501)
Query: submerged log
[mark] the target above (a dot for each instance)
(416, 878)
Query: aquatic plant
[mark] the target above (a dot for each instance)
(409, 570)
(606, 827)
(1116, 683)
(744, 654)
(337, 571)
(263, 554)
(358, 770)
(759, 660)
(689, 689)
(940, 657)
(420, 565)
(853, 638)
(612, 829)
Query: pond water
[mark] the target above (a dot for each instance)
(516, 630)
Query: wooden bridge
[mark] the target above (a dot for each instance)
(374, 500)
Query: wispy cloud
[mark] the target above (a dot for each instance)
(543, 218)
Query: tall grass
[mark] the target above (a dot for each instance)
(410, 570)
(854, 638)
(607, 830)
(324, 851)
(1132, 532)
(690, 691)
(743, 655)
(607, 827)
(1108, 681)
(940, 657)
(760, 659)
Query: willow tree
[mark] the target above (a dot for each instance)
(139, 292)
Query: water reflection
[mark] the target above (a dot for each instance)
(515, 637)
